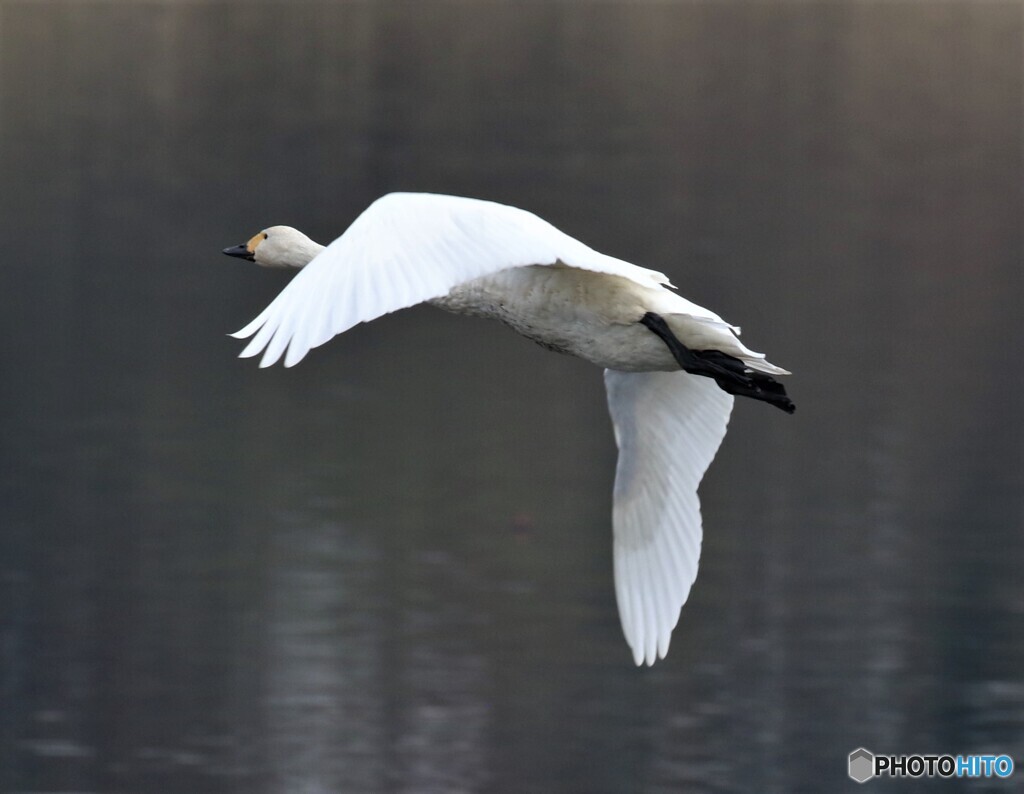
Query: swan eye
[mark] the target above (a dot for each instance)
(255, 241)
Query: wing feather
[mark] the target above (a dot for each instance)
(407, 248)
(668, 426)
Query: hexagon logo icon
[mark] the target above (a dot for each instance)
(862, 765)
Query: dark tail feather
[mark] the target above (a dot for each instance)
(734, 377)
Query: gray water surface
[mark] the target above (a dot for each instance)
(389, 569)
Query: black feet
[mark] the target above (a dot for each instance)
(728, 372)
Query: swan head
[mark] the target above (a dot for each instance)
(277, 246)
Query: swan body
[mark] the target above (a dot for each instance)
(589, 315)
(671, 366)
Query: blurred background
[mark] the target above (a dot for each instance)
(389, 569)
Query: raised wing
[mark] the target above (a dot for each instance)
(407, 248)
(668, 426)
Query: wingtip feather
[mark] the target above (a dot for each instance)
(254, 348)
(253, 326)
(294, 355)
(270, 356)
(663, 642)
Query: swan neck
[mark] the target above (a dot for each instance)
(308, 252)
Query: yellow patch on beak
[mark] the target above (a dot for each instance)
(255, 241)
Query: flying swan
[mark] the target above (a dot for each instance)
(671, 366)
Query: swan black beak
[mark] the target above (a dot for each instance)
(241, 251)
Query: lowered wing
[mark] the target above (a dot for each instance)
(668, 426)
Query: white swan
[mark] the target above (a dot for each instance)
(480, 258)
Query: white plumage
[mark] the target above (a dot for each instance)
(486, 259)
(668, 427)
